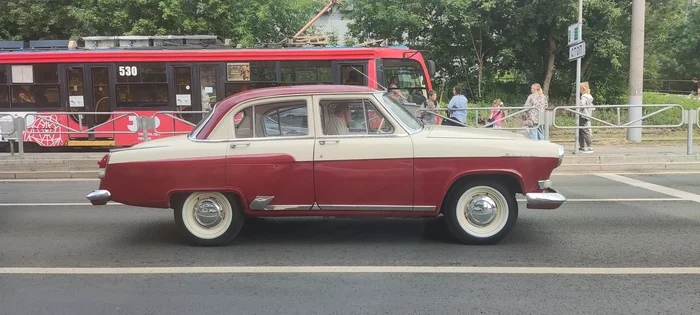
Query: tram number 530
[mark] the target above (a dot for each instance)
(127, 71)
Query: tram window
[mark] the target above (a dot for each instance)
(142, 85)
(4, 89)
(306, 72)
(34, 86)
(408, 76)
(207, 78)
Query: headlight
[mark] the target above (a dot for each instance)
(561, 155)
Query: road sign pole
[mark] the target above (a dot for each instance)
(578, 78)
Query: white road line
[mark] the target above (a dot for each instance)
(48, 180)
(653, 187)
(593, 173)
(350, 269)
(620, 200)
(49, 204)
(79, 204)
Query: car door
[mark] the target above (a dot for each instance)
(368, 169)
(270, 158)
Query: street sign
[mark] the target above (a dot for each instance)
(577, 51)
(575, 35)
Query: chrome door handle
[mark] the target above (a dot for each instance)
(322, 142)
(233, 145)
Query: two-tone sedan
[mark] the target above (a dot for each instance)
(331, 150)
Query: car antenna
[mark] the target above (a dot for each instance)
(368, 78)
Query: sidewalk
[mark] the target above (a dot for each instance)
(631, 157)
(606, 158)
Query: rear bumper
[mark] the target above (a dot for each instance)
(99, 197)
(548, 200)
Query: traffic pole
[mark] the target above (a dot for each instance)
(578, 82)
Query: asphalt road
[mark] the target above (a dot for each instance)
(606, 224)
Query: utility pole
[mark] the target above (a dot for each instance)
(636, 71)
(578, 77)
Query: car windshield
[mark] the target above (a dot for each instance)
(408, 119)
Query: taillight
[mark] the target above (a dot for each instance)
(103, 166)
(103, 162)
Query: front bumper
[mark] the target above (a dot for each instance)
(548, 200)
(99, 197)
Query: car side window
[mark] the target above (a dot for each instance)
(279, 119)
(286, 121)
(352, 117)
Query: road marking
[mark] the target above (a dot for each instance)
(620, 200)
(350, 269)
(591, 173)
(79, 204)
(54, 204)
(50, 180)
(653, 187)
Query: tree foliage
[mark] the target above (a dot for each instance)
(497, 48)
(245, 21)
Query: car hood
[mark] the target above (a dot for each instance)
(472, 133)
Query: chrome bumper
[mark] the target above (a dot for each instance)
(99, 197)
(549, 200)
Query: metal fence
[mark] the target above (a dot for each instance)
(604, 117)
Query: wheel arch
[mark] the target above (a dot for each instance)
(512, 180)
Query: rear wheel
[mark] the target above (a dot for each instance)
(210, 218)
(481, 212)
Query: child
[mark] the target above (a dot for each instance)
(496, 114)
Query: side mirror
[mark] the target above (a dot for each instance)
(431, 68)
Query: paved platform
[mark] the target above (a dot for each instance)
(612, 158)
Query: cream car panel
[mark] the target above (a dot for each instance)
(299, 148)
(170, 150)
(460, 148)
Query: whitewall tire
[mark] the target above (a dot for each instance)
(209, 218)
(481, 212)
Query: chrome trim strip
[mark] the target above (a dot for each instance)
(260, 202)
(288, 208)
(358, 136)
(423, 208)
(375, 208)
(315, 207)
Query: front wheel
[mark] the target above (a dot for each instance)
(481, 212)
(210, 218)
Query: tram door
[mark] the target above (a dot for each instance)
(349, 72)
(86, 91)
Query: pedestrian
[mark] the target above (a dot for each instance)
(537, 100)
(457, 109)
(497, 115)
(428, 117)
(585, 136)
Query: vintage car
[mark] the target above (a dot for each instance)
(331, 150)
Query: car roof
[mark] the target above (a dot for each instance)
(225, 105)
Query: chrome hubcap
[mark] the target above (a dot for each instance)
(208, 212)
(481, 210)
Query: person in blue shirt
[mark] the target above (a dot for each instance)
(458, 102)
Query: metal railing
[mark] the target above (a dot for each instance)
(512, 119)
(606, 124)
(174, 115)
(507, 112)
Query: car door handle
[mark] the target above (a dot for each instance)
(322, 142)
(233, 145)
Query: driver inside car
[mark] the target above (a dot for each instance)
(338, 122)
